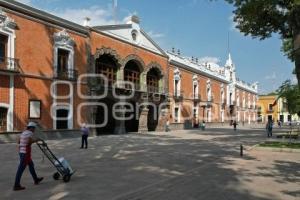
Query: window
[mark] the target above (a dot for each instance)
(107, 67)
(3, 47)
(132, 74)
(134, 35)
(62, 119)
(176, 114)
(62, 61)
(3, 119)
(176, 88)
(34, 109)
(270, 108)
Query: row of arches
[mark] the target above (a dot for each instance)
(145, 79)
(131, 69)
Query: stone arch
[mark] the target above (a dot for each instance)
(135, 58)
(155, 65)
(113, 53)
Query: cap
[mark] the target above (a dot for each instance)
(32, 124)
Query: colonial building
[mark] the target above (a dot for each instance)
(208, 92)
(115, 78)
(273, 107)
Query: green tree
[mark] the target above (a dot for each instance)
(291, 93)
(262, 18)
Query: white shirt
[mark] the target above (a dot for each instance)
(24, 140)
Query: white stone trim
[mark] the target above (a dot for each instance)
(7, 106)
(68, 107)
(177, 76)
(10, 125)
(7, 28)
(62, 40)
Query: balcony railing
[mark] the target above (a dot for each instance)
(152, 89)
(136, 86)
(68, 74)
(178, 96)
(197, 98)
(9, 64)
(232, 103)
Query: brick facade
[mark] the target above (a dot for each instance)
(34, 40)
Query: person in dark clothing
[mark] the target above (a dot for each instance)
(269, 128)
(234, 125)
(84, 136)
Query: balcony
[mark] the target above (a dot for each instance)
(197, 98)
(9, 64)
(232, 103)
(136, 86)
(223, 106)
(152, 89)
(178, 96)
(66, 74)
(270, 111)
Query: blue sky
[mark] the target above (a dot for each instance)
(198, 28)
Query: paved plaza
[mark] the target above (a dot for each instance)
(183, 165)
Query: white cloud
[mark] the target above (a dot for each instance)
(155, 35)
(209, 59)
(98, 15)
(272, 76)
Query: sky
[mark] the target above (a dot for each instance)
(199, 28)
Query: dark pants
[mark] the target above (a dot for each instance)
(84, 140)
(269, 133)
(22, 167)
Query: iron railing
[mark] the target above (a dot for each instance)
(66, 74)
(9, 64)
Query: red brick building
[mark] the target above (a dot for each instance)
(55, 72)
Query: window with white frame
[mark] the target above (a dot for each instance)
(177, 82)
(62, 116)
(195, 87)
(7, 41)
(63, 55)
(208, 91)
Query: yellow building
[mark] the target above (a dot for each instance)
(268, 109)
(275, 108)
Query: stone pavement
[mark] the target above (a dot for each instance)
(183, 165)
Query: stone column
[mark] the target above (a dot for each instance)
(120, 123)
(143, 121)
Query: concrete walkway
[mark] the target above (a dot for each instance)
(183, 165)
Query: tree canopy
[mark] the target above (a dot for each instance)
(291, 93)
(262, 18)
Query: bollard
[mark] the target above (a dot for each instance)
(241, 150)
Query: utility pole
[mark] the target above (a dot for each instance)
(115, 10)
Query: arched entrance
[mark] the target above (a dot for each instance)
(102, 116)
(154, 77)
(107, 65)
(132, 125)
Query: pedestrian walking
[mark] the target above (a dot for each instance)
(203, 125)
(84, 136)
(25, 141)
(234, 125)
(269, 128)
(168, 126)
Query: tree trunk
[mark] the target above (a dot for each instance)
(297, 56)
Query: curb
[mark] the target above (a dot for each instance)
(271, 149)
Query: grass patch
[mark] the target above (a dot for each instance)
(280, 145)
